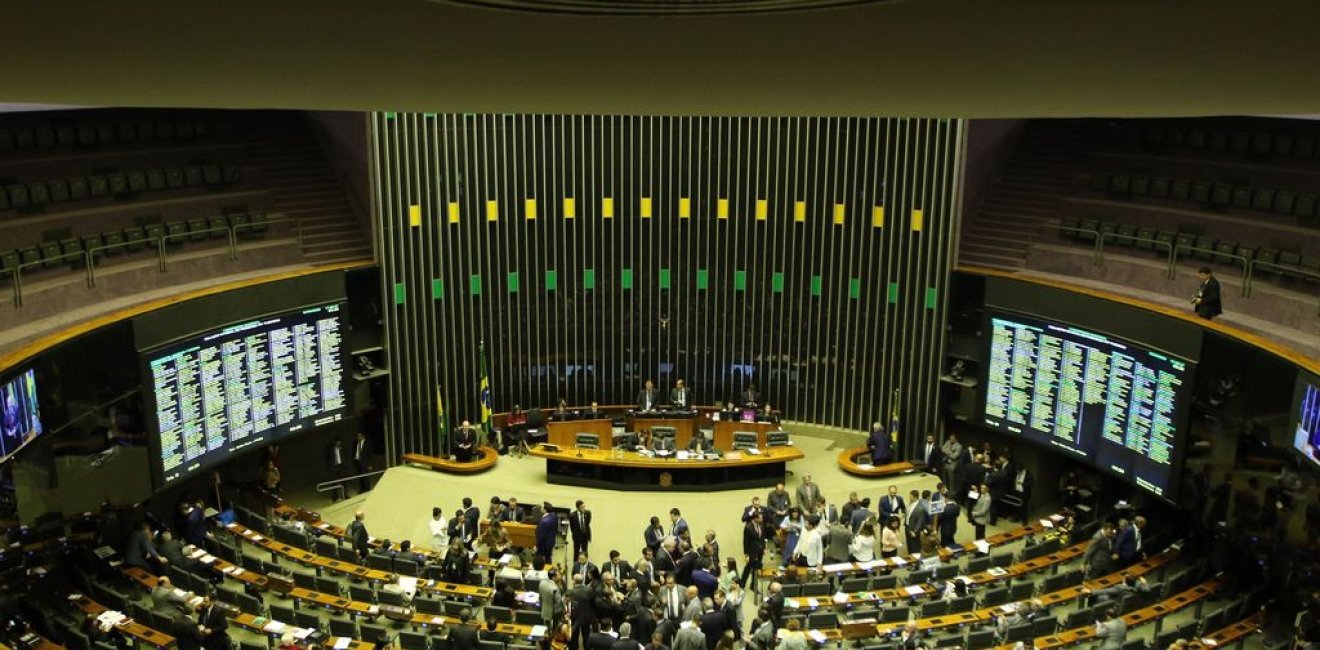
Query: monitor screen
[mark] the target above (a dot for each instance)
(244, 385)
(1105, 401)
(20, 414)
(1306, 428)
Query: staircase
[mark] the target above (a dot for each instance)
(1041, 169)
(303, 186)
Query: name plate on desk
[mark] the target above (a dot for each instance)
(279, 584)
(396, 613)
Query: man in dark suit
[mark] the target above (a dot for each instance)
(891, 504)
(213, 626)
(753, 549)
(464, 635)
(361, 461)
(141, 551)
(882, 453)
(751, 396)
(680, 397)
(602, 639)
(949, 523)
(582, 612)
(653, 534)
(1127, 544)
(618, 568)
(648, 398)
(713, 623)
(1206, 301)
(357, 533)
(678, 523)
(547, 531)
(471, 522)
(860, 514)
(930, 455)
(917, 517)
(584, 569)
(579, 527)
(465, 442)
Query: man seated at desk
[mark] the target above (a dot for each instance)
(594, 412)
(648, 398)
(766, 414)
(730, 413)
(698, 444)
(680, 397)
(562, 414)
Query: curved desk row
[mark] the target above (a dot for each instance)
(486, 459)
(627, 470)
(848, 463)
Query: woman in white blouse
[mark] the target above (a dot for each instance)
(862, 546)
(889, 538)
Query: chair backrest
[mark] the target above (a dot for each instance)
(982, 638)
(946, 571)
(934, 608)
(776, 438)
(380, 562)
(308, 620)
(978, 564)
(501, 614)
(304, 580)
(414, 641)
(850, 585)
(918, 577)
(1003, 559)
(893, 614)
(1044, 626)
(744, 436)
(822, 620)
(664, 432)
(963, 604)
(586, 440)
(739, 445)
(887, 581)
(1022, 590)
(527, 617)
(792, 589)
(1021, 632)
(327, 585)
(376, 634)
(282, 613)
(816, 589)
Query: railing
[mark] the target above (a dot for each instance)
(91, 255)
(335, 485)
(1175, 249)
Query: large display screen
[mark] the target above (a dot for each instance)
(1105, 401)
(20, 414)
(1306, 429)
(245, 385)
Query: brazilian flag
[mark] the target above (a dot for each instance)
(485, 390)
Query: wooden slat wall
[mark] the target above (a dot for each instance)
(832, 358)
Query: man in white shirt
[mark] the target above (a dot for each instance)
(439, 530)
(810, 547)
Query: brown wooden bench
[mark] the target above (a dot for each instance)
(848, 463)
(487, 456)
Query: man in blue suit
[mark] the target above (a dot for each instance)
(1127, 544)
(547, 531)
(882, 452)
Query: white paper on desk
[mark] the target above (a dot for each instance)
(1056, 518)
(816, 636)
(1009, 608)
(791, 603)
(682, 454)
(1210, 642)
(437, 620)
(342, 642)
(733, 455)
(196, 553)
(273, 627)
(373, 610)
(207, 559)
(870, 564)
(840, 598)
(996, 571)
(538, 630)
(1047, 523)
(408, 584)
(914, 590)
(301, 633)
(865, 466)
(75, 597)
(898, 561)
(981, 545)
(506, 559)
(842, 566)
(812, 604)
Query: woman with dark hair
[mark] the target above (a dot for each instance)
(889, 538)
(792, 525)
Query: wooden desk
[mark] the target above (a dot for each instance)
(848, 463)
(132, 628)
(487, 457)
(724, 432)
(889, 564)
(683, 427)
(633, 471)
(564, 434)
(1133, 619)
(338, 532)
(313, 560)
(522, 535)
(1226, 635)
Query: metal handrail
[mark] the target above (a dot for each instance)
(91, 254)
(1098, 257)
(18, 272)
(334, 484)
(1289, 269)
(1245, 263)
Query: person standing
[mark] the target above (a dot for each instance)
(357, 532)
(891, 504)
(552, 599)
(654, 534)
(917, 518)
(580, 527)
(981, 511)
(878, 443)
(1206, 301)
(1112, 631)
(753, 550)
(948, 521)
(465, 442)
(361, 462)
(889, 537)
(930, 456)
(807, 494)
(439, 529)
(810, 550)
(679, 396)
(547, 531)
(335, 460)
(951, 453)
(647, 398)
(213, 626)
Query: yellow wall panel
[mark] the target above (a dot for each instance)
(453, 212)
(529, 206)
(722, 209)
(918, 219)
(570, 207)
(878, 216)
(645, 207)
(800, 211)
(762, 209)
(492, 210)
(415, 215)
(607, 208)
(840, 210)
(684, 207)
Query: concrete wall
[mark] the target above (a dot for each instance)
(989, 143)
(343, 134)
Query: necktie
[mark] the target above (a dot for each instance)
(673, 603)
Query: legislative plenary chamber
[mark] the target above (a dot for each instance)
(645, 324)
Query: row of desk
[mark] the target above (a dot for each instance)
(564, 434)
(628, 470)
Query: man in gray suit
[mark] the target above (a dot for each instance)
(840, 536)
(807, 495)
(918, 516)
(167, 601)
(552, 600)
(690, 637)
(1099, 552)
(1112, 631)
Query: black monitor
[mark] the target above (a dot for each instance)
(242, 386)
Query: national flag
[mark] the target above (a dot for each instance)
(893, 422)
(485, 390)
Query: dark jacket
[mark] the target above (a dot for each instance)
(463, 637)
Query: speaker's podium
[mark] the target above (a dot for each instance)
(565, 434)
